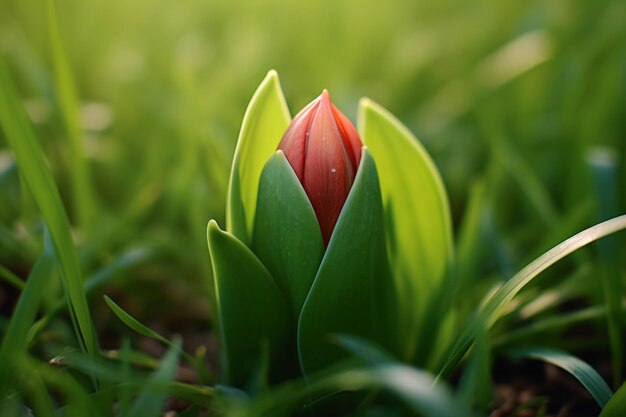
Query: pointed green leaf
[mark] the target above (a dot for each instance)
(416, 207)
(139, 327)
(353, 292)
(266, 120)
(252, 310)
(287, 236)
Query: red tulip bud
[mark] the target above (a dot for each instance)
(324, 150)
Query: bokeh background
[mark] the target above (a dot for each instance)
(522, 105)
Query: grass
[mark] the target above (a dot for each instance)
(118, 126)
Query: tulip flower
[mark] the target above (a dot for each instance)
(325, 235)
(324, 150)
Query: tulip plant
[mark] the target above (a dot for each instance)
(328, 232)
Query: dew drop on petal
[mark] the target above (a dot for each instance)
(333, 170)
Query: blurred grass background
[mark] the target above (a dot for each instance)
(522, 105)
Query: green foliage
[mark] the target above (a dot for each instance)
(254, 316)
(419, 230)
(264, 123)
(581, 370)
(491, 309)
(151, 399)
(616, 404)
(292, 258)
(37, 176)
(352, 292)
(124, 151)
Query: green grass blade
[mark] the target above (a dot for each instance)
(553, 322)
(151, 399)
(134, 379)
(76, 400)
(10, 278)
(469, 245)
(36, 389)
(68, 108)
(475, 385)
(529, 182)
(616, 405)
(493, 307)
(123, 262)
(605, 170)
(142, 329)
(37, 176)
(14, 342)
(578, 368)
(133, 323)
(413, 387)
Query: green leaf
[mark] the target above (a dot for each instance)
(492, 308)
(606, 169)
(11, 279)
(287, 236)
(135, 324)
(416, 208)
(252, 310)
(579, 369)
(37, 176)
(67, 98)
(15, 338)
(475, 385)
(266, 120)
(616, 405)
(353, 292)
(142, 329)
(415, 388)
(152, 398)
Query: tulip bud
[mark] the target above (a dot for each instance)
(324, 150)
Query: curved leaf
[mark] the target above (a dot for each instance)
(416, 206)
(266, 120)
(492, 308)
(353, 292)
(616, 405)
(141, 328)
(287, 236)
(252, 312)
(413, 387)
(578, 368)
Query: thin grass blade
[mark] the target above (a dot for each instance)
(605, 168)
(68, 108)
(37, 176)
(142, 329)
(151, 399)
(616, 405)
(493, 307)
(578, 368)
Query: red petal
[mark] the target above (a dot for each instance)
(293, 143)
(351, 138)
(324, 150)
(328, 175)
